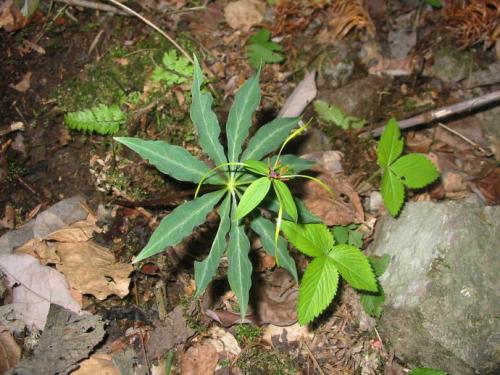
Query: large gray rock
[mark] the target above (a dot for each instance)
(442, 286)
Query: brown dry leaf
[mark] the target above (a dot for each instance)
(284, 335)
(10, 352)
(394, 67)
(45, 253)
(11, 18)
(8, 221)
(243, 14)
(101, 364)
(348, 15)
(490, 186)
(453, 182)
(342, 209)
(34, 288)
(81, 231)
(24, 84)
(199, 359)
(224, 342)
(301, 96)
(92, 269)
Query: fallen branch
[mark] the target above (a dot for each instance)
(440, 113)
(93, 5)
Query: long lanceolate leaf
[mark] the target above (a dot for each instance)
(169, 159)
(285, 199)
(205, 271)
(265, 229)
(240, 268)
(269, 137)
(317, 289)
(205, 119)
(240, 116)
(180, 223)
(252, 196)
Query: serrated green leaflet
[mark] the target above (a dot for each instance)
(393, 192)
(169, 159)
(205, 271)
(265, 229)
(285, 198)
(415, 170)
(373, 303)
(390, 145)
(426, 371)
(179, 224)
(269, 137)
(261, 50)
(317, 289)
(311, 239)
(240, 116)
(252, 196)
(205, 120)
(240, 268)
(379, 264)
(354, 267)
(293, 163)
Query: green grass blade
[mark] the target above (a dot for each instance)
(265, 229)
(415, 170)
(285, 197)
(393, 192)
(205, 271)
(390, 145)
(205, 120)
(240, 268)
(179, 224)
(252, 196)
(311, 239)
(240, 116)
(169, 159)
(317, 289)
(269, 137)
(354, 267)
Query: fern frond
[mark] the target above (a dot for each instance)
(102, 119)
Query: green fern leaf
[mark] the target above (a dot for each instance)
(102, 119)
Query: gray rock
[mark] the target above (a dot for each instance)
(442, 292)
(360, 98)
(450, 65)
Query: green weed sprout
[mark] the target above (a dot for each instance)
(244, 181)
(412, 171)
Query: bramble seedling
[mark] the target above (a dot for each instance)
(412, 171)
(372, 302)
(348, 234)
(333, 114)
(174, 69)
(262, 51)
(320, 281)
(244, 181)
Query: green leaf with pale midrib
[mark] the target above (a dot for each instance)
(239, 272)
(390, 145)
(169, 159)
(393, 192)
(205, 120)
(180, 223)
(205, 271)
(354, 267)
(317, 289)
(311, 239)
(415, 170)
(285, 198)
(269, 137)
(265, 229)
(305, 216)
(240, 115)
(252, 196)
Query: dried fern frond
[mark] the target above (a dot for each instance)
(349, 15)
(102, 119)
(473, 22)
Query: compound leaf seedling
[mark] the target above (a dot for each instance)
(412, 171)
(333, 114)
(101, 119)
(261, 50)
(320, 281)
(372, 302)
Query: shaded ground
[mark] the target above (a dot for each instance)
(46, 162)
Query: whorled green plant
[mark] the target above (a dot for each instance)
(244, 182)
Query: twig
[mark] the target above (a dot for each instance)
(316, 364)
(152, 25)
(463, 137)
(93, 5)
(95, 41)
(437, 114)
(379, 338)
